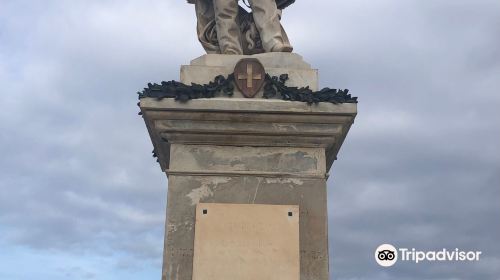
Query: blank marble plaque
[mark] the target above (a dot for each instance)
(246, 242)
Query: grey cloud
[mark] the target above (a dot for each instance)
(420, 167)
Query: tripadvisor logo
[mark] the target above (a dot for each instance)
(387, 255)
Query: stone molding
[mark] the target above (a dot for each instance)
(246, 122)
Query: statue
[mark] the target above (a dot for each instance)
(226, 28)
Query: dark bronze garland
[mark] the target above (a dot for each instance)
(273, 87)
(183, 92)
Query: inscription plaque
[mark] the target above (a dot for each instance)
(246, 242)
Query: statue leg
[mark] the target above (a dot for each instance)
(267, 19)
(228, 31)
(207, 34)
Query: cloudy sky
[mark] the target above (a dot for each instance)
(82, 198)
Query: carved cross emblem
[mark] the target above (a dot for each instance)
(249, 76)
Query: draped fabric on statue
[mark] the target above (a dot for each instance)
(246, 40)
(280, 3)
(207, 32)
(284, 3)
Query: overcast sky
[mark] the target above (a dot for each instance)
(82, 198)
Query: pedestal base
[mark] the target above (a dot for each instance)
(246, 151)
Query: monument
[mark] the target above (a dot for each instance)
(246, 139)
(225, 28)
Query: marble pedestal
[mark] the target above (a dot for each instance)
(246, 151)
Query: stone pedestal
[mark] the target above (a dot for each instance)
(203, 69)
(246, 151)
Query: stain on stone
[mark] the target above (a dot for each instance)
(171, 227)
(293, 181)
(237, 162)
(188, 225)
(206, 189)
(246, 159)
(197, 194)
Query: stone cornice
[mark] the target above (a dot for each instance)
(246, 122)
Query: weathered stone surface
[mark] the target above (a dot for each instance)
(246, 242)
(185, 192)
(272, 60)
(246, 122)
(231, 160)
(255, 106)
(205, 68)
